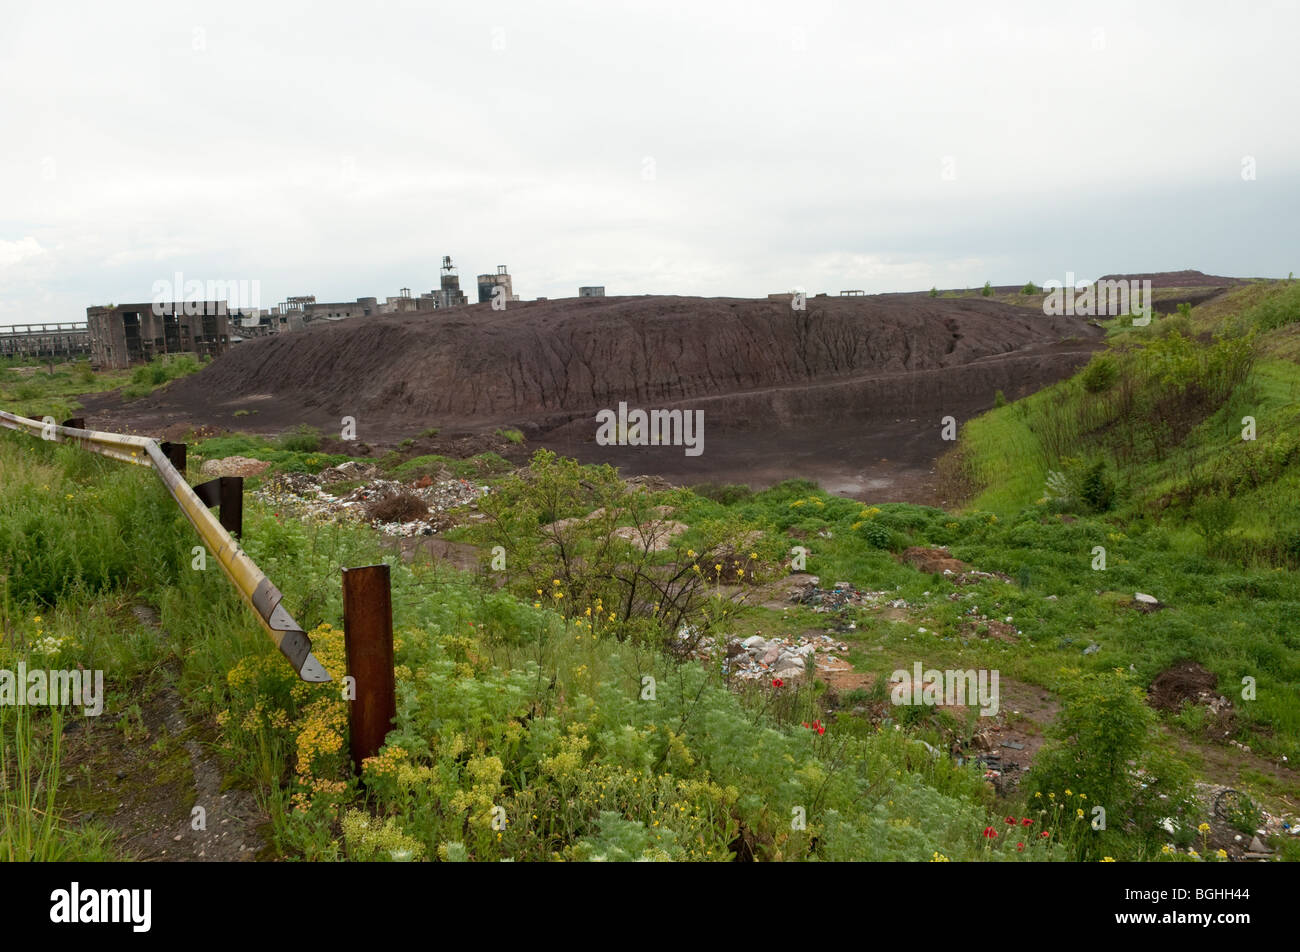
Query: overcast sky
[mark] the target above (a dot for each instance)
(710, 148)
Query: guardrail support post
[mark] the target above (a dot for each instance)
(231, 514)
(227, 492)
(368, 641)
(175, 453)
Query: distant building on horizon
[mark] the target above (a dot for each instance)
(488, 283)
(449, 293)
(595, 290)
(126, 334)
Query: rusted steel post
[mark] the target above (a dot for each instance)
(368, 640)
(175, 453)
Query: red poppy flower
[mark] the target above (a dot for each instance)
(805, 723)
(1027, 821)
(778, 683)
(1011, 821)
(1045, 834)
(820, 730)
(1020, 847)
(989, 832)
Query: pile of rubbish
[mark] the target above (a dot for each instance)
(307, 495)
(976, 624)
(843, 595)
(758, 658)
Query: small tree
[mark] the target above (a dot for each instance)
(579, 536)
(934, 292)
(988, 289)
(1030, 288)
(1102, 752)
(1100, 374)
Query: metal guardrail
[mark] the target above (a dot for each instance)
(251, 583)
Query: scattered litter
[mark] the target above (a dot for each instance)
(756, 657)
(1147, 603)
(843, 595)
(304, 495)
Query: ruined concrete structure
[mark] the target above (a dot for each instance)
(123, 334)
(117, 336)
(449, 294)
(66, 340)
(338, 311)
(597, 290)
(488, 283)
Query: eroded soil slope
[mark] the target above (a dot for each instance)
(844, 384)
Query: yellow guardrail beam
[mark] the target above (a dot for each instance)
(251, 583)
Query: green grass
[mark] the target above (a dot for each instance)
(30, 390)
(158, 372)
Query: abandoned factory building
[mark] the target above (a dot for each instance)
(123, 334)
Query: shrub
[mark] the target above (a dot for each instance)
(301, 439)
(1280, 308)
(988, 289)
(1030, 288)
(565, 525)
(1096, 489)
(1102, 748)
(1100, 374)
(725, 493)
(877, 535)
(1212, 519)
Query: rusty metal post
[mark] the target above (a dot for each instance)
(175, 453)
(368, 641)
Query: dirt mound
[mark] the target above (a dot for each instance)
(829, 392)
(537, 359)
(1185, 681)
(1179, 279)
(234, 466)
(397, 506)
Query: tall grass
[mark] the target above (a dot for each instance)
(28, 784)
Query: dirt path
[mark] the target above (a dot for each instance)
(147, 774)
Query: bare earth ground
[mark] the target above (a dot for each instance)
(142, 775)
